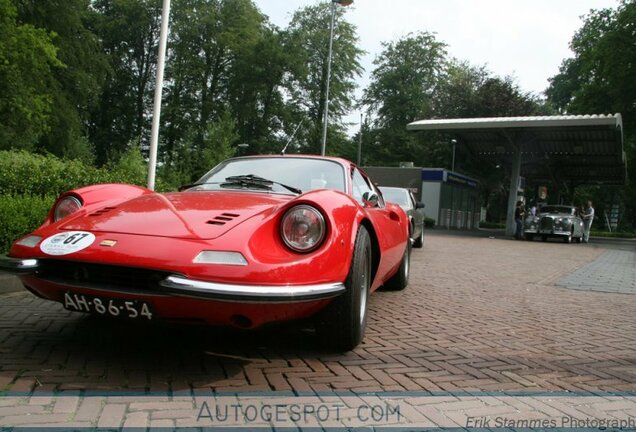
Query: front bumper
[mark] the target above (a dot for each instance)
(178, 285)
(18, 265)
(554, 233)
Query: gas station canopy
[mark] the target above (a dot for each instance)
(576, 150)
(572, 150)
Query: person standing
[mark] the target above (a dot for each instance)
(519, 214)
(588, 218)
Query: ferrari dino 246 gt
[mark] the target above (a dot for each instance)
(256, 240)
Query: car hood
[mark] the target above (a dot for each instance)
(191, 215)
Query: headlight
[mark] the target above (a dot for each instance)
(66, 206)
(303, 228)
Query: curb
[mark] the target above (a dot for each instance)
(9, 283)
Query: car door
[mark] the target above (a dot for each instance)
(389, 226)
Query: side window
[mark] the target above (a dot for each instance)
(361, 186)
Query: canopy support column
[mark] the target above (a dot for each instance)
(514, 185)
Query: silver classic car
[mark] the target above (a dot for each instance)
(413, 209)
(555, 221)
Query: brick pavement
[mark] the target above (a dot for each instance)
(480, 315)
(613, 271)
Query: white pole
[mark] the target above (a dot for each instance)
(359, 160)
(326, 119)
(161, 60)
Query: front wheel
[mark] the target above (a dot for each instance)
(568, 238)
(342, 323)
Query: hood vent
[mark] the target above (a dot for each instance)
(222, 219)
(102, 211)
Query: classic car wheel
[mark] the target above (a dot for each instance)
(544, 238)
(578, 239)
(400, 280)
(568, 238)
(529, 237)
(341, 324)
(419, 242)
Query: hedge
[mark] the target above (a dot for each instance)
(30, 183)
(20, 215)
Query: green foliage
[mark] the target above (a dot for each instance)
(74, 88)
(23, 173)
(600, 79)
(429, 222)
(20, 215)
(27, 60)
(307, 42)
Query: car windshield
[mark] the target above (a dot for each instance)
(396, 196)
(304, 174)
(557, 209)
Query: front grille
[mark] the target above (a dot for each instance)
(546, 223)
(101, 275)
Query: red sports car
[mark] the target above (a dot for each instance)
(255, 240)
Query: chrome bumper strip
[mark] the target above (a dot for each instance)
(178, 285)
(18, 265)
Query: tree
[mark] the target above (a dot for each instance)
(209, 73)
(28, 59)
(129, 31)
(307, 38)
(403, 84)
(74, 88)
(600, 79)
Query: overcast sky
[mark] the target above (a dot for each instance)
(527, 39)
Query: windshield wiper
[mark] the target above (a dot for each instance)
(255, 181)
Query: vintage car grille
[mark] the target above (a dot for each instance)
(101, 275)
(546, 223)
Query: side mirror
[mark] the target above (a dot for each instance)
(371, 199)
(419, 205)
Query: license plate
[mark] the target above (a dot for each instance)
(121, 308)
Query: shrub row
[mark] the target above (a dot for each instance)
(30, 183)
(20, 215)
(23, 173)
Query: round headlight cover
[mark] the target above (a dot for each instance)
(65, 207)
(303, 228)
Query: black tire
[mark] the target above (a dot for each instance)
(568, 238)
(400, 280)
(419, 242)
(529, 237)
(578, 239)
(544, 238)
(342, 323)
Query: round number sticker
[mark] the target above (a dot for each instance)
(67, 242)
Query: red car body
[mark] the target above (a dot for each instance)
(140, 254)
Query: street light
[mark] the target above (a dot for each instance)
(454, 141)
(156, 112)
(326, 119)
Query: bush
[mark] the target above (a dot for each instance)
(429, 222)
(30, 183)
(20, 215)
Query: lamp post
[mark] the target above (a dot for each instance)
(359, 161)
(454, 141)
(161, 60)
(326, 118)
